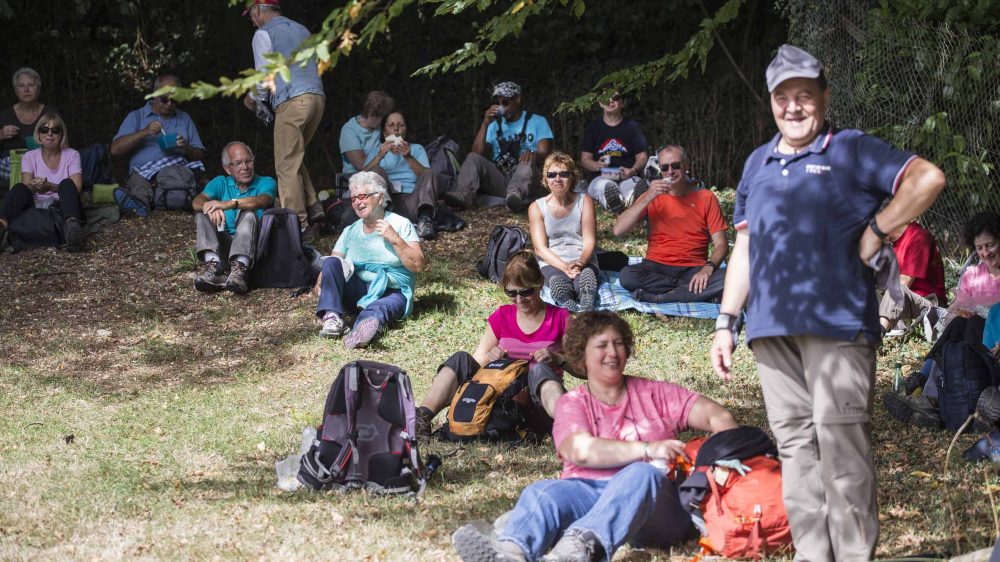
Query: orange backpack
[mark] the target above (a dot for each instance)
(744, 515)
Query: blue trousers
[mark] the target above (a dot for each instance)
(638, 504)
(341, 296)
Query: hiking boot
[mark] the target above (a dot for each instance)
(988, 409)
(641, 187)
(363, 333)
(128, 203)
(311, 232)
(73, 234)
(459, 198)
(475, 542)
(211, 279)
(613, 198)
(514, 203)
(913, 410)
(426, 229)
(424, 419)
(987, 448)
(577, 545)
(237, 280)
(333, 326)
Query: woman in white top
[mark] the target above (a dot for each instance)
(564, 235)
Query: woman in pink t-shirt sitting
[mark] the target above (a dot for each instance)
(528, 328)
(608, 433)
(50, 175)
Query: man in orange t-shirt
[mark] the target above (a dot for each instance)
(683, 220)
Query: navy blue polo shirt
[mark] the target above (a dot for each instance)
(805, 214)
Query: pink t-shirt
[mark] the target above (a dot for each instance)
(977, 289)
(519, 345)
(650, 411)
(69, 164)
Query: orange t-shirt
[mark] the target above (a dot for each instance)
(680, 228)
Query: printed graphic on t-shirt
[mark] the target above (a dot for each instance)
(613, 148)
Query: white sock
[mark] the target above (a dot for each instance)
(211, 256)
(243, 259)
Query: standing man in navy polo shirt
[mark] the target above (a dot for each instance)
(807, 222)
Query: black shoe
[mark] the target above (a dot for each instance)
(311, 232)
(210, 279)
(424, 428)
(514, 203)
(613, 198)
(73, 233)
(640, 188)
(426, 229)
(459, 199)
(576, 545)
(237, 280)
(913, 410)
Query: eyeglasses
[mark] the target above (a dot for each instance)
(616, 97)
(524, 293)
(669, 166)
(361, 197)
(502, 101)
(565, 174)
(165, 99)
(47, 130)
(241, 163)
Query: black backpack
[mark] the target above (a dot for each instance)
(175, 188)
(965, 370)
(504, 242)
(443, 155)
(36, 228)
(368, 434)
(281, 260)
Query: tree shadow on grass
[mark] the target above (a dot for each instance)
(437, 301)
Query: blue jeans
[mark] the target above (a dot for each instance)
(637, 504)
(338, 295)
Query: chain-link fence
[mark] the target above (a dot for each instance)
(921, 85)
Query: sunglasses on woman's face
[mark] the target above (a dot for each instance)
(525, 293)
(47, 130)
(565, 174)
(361, 196)
(670, 165)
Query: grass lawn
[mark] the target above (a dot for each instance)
(140, 419)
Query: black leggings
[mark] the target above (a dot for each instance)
(20, 199)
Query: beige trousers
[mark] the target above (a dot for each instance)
(818, 394)
(295, 123)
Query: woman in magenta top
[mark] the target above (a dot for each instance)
(979, 286)
(50, 176)
(528, 328)
(606, 432)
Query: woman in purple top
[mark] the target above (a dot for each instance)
(50, 176)
(528, 328)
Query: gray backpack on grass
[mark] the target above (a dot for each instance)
(175, 188)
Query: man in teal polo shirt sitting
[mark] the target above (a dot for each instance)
(227, 215)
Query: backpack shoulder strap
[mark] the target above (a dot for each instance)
(410, 436)
(351, 399)
(524, 126)
(265, 231)
(292, 226)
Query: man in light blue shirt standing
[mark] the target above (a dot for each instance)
(298, 109)
(507, 155)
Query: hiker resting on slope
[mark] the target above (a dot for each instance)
(606, 432)
(528, 328)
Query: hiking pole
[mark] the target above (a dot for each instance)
(947, 464)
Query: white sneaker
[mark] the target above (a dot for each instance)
(333, 327)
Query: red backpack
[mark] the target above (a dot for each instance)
(744, 515)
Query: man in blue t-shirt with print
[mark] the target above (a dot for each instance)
(507, 155)
(807, 221)
(227, 214)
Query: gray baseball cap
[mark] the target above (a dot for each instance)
(791, 62)
(507, 89)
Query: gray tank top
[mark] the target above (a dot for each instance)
(566, 234)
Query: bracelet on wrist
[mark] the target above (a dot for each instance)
(725, 322)
(878, 231)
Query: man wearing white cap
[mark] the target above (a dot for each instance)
(298, 109)
(807, 220)
(507, 155)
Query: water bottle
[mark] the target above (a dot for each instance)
(897, 380)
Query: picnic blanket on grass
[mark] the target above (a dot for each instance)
(612, 296)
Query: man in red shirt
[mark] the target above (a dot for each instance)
(683, 219)
(921, 276)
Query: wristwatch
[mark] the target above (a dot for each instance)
(712, 265)
(878, 231)
(725, 322)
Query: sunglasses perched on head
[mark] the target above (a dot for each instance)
(565, 174)
(512, 293)
(666, 167)
(47, 130)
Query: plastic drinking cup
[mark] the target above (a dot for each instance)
(167, 141)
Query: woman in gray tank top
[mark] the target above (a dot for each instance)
(564, 235)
